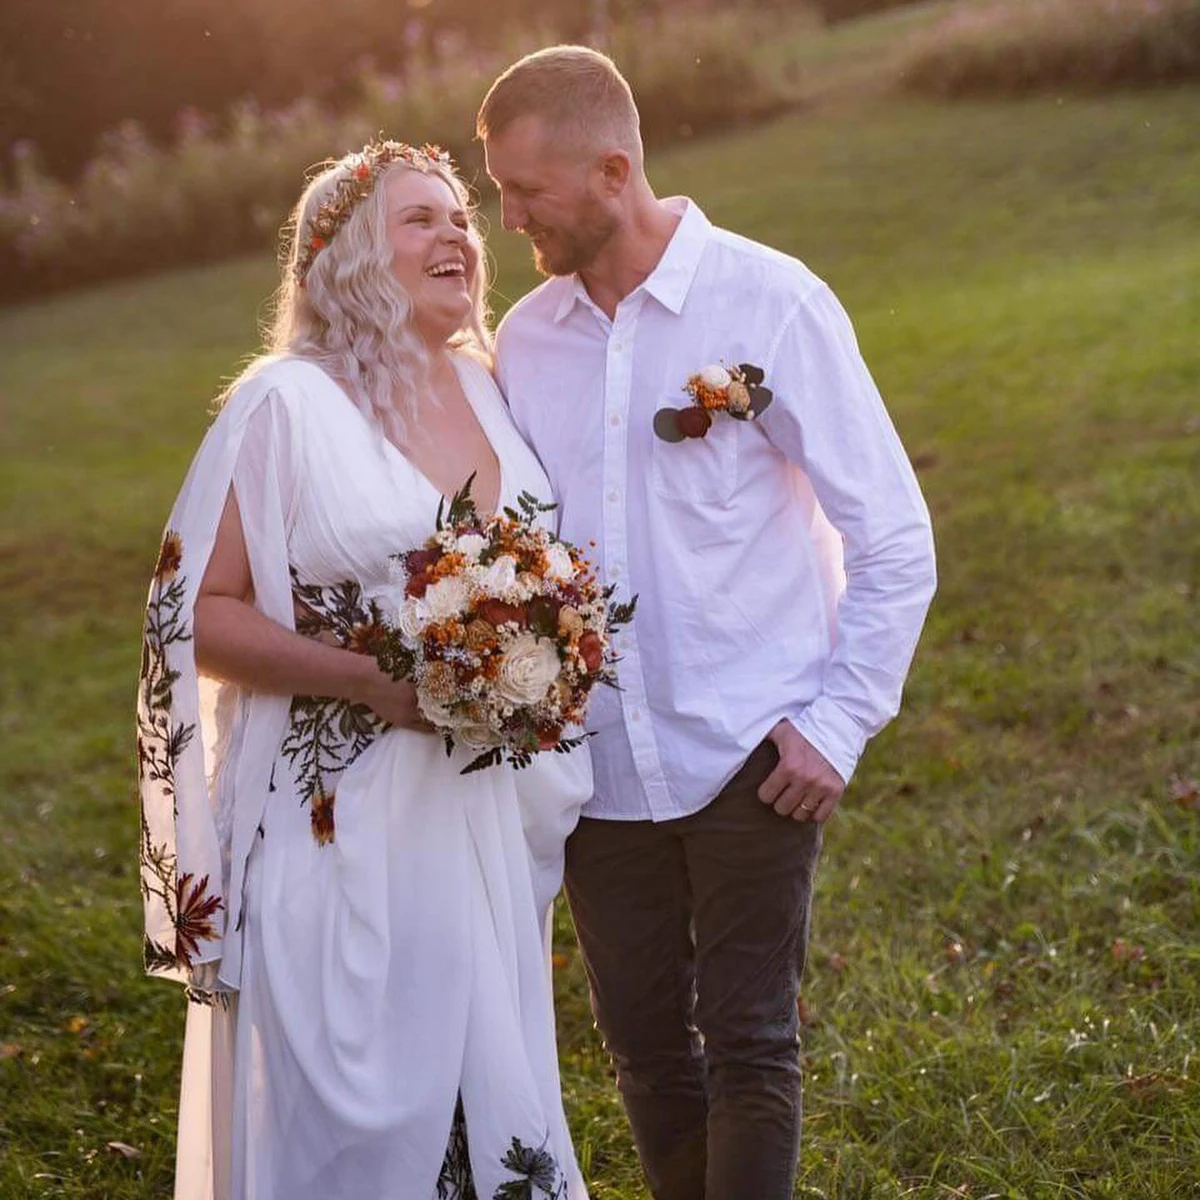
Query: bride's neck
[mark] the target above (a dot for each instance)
(441, 367)
(439, 371)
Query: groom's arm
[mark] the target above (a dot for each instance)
(828, 419)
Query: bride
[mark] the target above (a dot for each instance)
(362, 929)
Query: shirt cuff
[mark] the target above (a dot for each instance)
(833, 733)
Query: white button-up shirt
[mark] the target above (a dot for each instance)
(783, 566)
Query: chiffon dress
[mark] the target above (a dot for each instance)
(371, 1013)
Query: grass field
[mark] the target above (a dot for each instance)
(1004, 994)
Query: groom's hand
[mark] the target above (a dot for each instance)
(803, 786)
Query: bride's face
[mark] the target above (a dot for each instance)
(434, 255)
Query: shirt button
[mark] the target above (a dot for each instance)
(614, 419)
(614, 496)
(637, 714)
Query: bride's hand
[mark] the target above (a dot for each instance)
(395, 701)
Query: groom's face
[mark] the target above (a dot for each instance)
(548, 194)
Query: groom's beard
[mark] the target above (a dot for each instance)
(563, 252)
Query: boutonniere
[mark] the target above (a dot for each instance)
(735, 391)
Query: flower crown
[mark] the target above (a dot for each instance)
(365, 169)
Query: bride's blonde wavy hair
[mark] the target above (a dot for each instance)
(351, 315)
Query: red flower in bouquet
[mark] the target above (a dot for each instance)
(591, 650)
(497, 613)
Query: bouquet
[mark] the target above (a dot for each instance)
(502, 628)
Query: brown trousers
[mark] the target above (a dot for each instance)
(694, 933)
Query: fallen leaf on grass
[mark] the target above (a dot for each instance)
(804, 1011)
(77, 1025)
(956, 953)
(1152, 1084)
(11, 1050)
(1122, 951)
(123, 1149)
(558, 961)
(838, 962)
(1185, 792)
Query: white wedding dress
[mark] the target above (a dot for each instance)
(376, 1017)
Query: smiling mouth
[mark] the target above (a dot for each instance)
(451, 270)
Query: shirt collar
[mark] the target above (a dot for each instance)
(671, 279)
(574, 291)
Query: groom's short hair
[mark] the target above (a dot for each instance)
(578, 92)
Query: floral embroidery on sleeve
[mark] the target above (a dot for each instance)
(326, 735)
(161, 741)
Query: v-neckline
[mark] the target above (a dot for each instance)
(485, 428)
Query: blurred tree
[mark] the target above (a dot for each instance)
(844, 10)
(71, 69)
(74, 68)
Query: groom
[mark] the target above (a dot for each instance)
(784, 565)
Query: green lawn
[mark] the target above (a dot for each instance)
(1004, 996)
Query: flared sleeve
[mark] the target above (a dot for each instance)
(202, 745)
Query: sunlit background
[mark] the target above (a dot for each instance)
(1003, 1000)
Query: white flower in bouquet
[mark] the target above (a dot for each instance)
(411, 618)
(715, 377)
(500, 579)
(559, 558)
(471, 546)
(434, 711)
(529, 666)
(447, 598)
(570, 623)
(477, 737)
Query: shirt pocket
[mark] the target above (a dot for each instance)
(700, 470)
